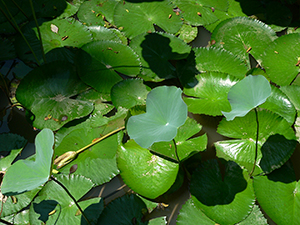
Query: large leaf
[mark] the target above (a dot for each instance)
(166, 111)
(130, 210)
(34, 173)
(247, 94)
(220, 60)
(209, 95)
(281, 59)
(53, 198)
(278, 195)
(186, 144)
(145, 173)
(100, 62)
(157, 50)
(145, 15)
(225, 198)
(242, 36)
(48, 92)
(276, 141)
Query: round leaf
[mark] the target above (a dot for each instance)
(281, 59)
(247, 94)
(100, 62)
(166, 111)
(145, 173)
(209, 95)
(242, 35)
(145, 15)
(48, 92)
(226, 199)
(34, 173)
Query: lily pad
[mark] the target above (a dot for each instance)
(145, 173)
(129, 93)
(242, 149)
(219, 60)
(130, 210)
(157, 50)
(165, 112)
(36, 172)
(293, 94)
(187, 33)
(209, 96)
(278, 195)
(48, 92)
(247, 94)
(145, 15)
(281, 59)
(100, 62)
(242, 36)
(220, 199)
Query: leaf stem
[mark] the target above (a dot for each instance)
(71, 196)
(256, 141)
(176, 150)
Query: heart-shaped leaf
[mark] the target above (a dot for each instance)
(145, 173)
(247, 94)
(166, 111)
(34, 173)
(48, 92)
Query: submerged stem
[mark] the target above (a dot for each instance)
(256, 141)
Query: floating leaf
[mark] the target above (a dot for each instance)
(256, 217)
(187, 33)
(219, 198)
(48, 92)
(145, 15)
(247, 94)
(209, 96)
(100, 62)
(157, 50)
(239, 34)
(34, 173)
(278, 195)
(220, 60)
(130, 210)
(281, 59)
(145, 173)
(293, 93)
(166, 111)
(129, 93)
(242, 150)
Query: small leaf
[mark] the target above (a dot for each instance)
(247, 94)
(166, 111)
(34, 173)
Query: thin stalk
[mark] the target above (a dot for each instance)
(176, 150)
(100, 139)
(71, 196)
(256, 141)
(20, 9)
(15, 25)
(38, 29)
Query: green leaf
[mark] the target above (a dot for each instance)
(34, 173)
(227, 198)
(186, 144)
(187, 33)
(219, 60)
(157, 50)
(19, 218)
(278, 195)
(256, 217)
(242, 150)
(242, 36)
(48, 92)
(145, 173)
(209, 95)
(247, 94)
(130, 210)
(145, 15)
(166, 111)
(102, 34)
(54, 197)
(293, 94)
(128, 93)
(281, 59)
(100, 62)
